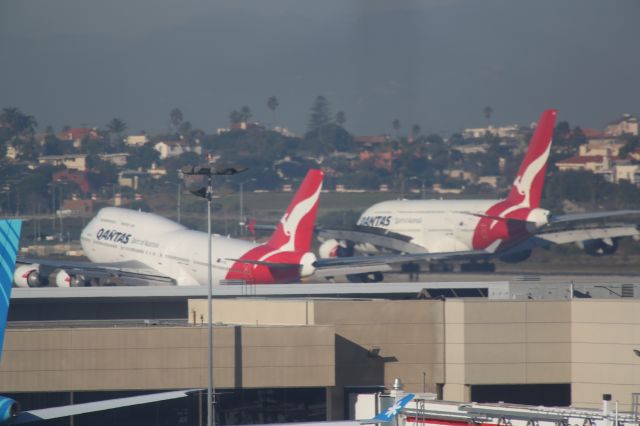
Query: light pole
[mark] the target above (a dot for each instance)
(207, 193)
(242, 202)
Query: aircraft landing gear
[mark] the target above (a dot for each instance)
(440, 267)
(478, 267)
(371, 277)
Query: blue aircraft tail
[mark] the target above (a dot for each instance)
(9, 239)
(392, 411)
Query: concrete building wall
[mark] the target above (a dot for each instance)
(79, 359)
(604, 335)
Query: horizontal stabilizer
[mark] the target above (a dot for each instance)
(90, 407)
(272, 265)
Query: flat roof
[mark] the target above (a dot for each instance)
(235, 290)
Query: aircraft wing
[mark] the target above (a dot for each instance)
(90, 407)
(376, 236)
(380, 263)
(577, 235)
(575, 217)
(130, 268)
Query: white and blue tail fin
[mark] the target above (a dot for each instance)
(9, 239)
(391, 412)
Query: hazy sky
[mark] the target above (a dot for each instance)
(434, 63)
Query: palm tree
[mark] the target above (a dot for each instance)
(487, 111)
(415, 130)
(396, 126)
(272, 104)
(116, 126)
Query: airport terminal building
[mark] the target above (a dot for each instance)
(303, 359)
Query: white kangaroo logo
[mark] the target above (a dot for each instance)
(290, 223)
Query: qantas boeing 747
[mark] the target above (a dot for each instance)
(132, 244)
(514, 226)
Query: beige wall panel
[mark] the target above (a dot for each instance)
(278, 336)
(590, 395)
(548, 332)
(455, 353)
(288, 377)
(412, 353)
(495, 333)
(622, 374)
(606, 333)
(495, 353)
(454, 311)
(25, 360)
(548, 372)
(311, 357)
(391, 333)
(455, 392)
(41, 380)
(548, 352)
(455, 373)
(602, 353)
(149, 379)
(455, 333)
(496, 373)
(378, 312)
(25, 340)
(492, 312)
(260, 311)
(408, 373)
(615, 311)
(545, 311)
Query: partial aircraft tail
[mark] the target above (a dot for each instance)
(295, 230)
(526, 190)
(391, 412)
(9, 239)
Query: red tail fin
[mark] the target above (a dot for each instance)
(295, 230)
(527, 187)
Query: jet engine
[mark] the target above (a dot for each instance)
(28, 276)
(8, 410)
(60, 278)
(600, 246)
(516, 257)
(334, 248)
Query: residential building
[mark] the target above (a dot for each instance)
(372, 139)
(118, 159)
(136, 140)
(70, 161)
(510, 131)
(605, 146)
(592, 163)
(628, 125)
(174, 148)
(77, 177)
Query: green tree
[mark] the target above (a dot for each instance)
(273, 104)
(235, 117)
(19, 123)
(176, 118)
(320, 114)
(245, 113)
(341, 118)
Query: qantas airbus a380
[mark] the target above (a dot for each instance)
(132, 244)
(514, 225)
